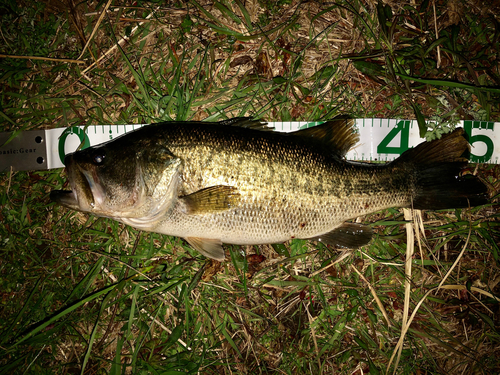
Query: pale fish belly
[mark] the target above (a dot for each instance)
(254, 224)
(236, 226)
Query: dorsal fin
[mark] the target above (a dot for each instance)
(247, 122)
(338, 134)
(449, 148)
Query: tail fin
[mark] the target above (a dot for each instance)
(439, 181)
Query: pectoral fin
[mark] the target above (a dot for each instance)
(211, 199)
(348, 235)
(209, 247)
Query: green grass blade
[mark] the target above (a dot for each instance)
(6, 334)
(94, 332)
(449, 83)
(65, 311)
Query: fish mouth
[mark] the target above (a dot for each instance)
(66, 198)
(81, 196)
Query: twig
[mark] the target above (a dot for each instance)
(101, 17)
(374, 294)
(165, 328)
(405, 327)
(437, 35)
(410, 249)
(313, 332)
(112, 49)
(344, 255)
(41, 58)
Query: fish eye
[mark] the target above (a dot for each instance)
(99, 157)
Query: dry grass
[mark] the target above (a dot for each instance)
(87, 295)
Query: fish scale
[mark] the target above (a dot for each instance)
(236, 182)
(273, 205)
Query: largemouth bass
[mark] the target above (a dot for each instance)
(234, 182)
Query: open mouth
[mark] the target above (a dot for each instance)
(66, 198)
(80, 198)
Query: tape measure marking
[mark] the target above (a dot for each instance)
(380, 140)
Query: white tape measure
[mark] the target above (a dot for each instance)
(380, 140)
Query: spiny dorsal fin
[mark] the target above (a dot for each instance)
(338, 134)
(211, 199)
(247, 122)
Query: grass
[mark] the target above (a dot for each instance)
(86, 295)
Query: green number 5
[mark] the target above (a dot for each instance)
(490, 148)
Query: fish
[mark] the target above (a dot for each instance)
(239, 182)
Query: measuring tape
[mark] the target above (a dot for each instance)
(380, 140)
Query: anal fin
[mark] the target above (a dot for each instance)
(211, 248)
(348, 235)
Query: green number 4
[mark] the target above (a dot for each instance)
(402, 128)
